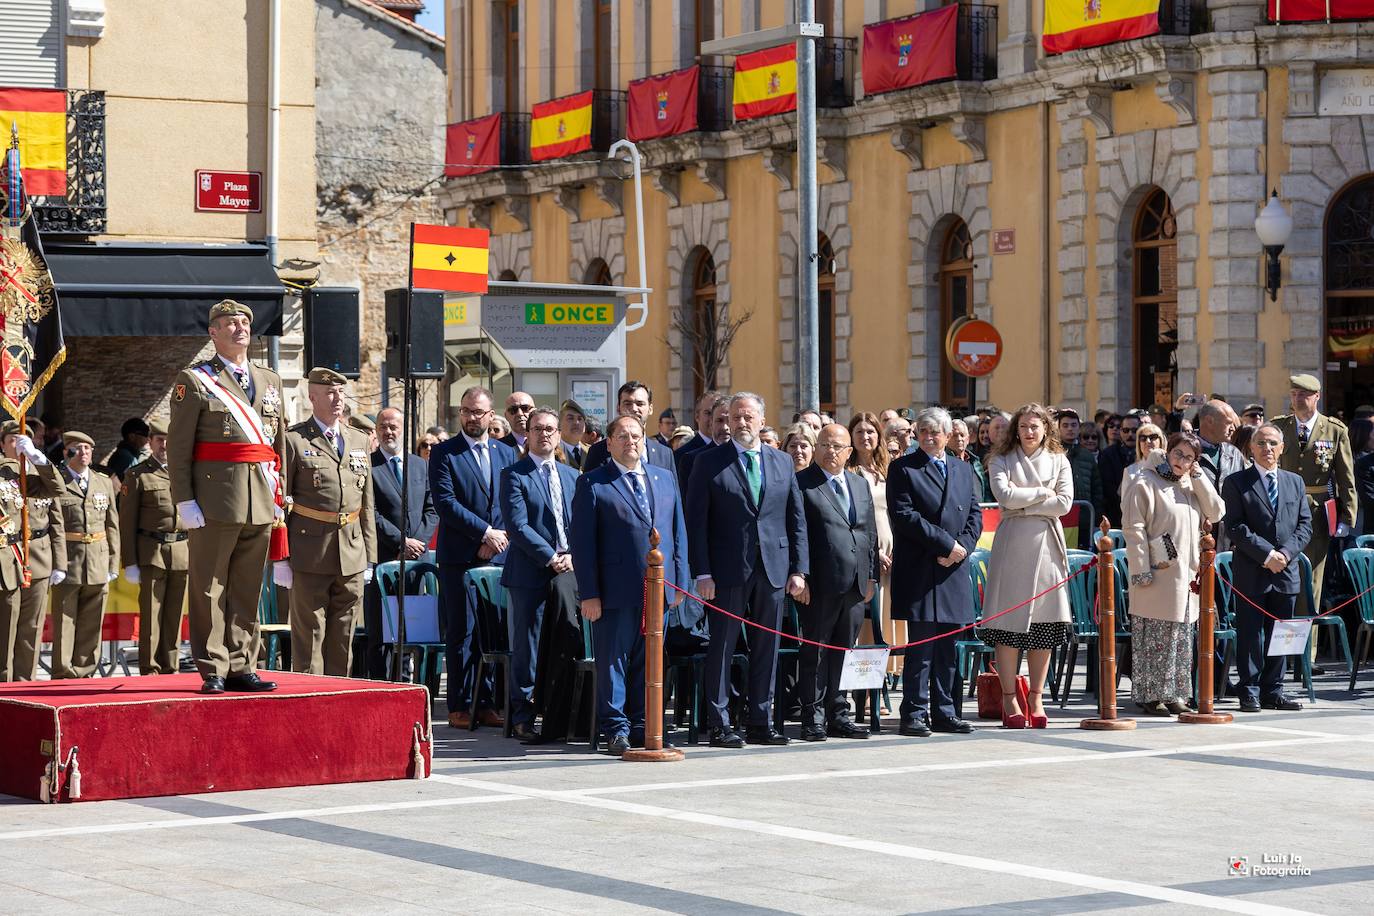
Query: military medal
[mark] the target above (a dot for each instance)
(315, 480)
(102, 502)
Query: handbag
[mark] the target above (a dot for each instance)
(990, 693)
(1162, 552)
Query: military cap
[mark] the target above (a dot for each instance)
(572, 405)
(9, 428)
(1253, 409)
(362, 421)
(322, 376)
(226, 307)
(72, 437)
(157, 428)
(1304, 383)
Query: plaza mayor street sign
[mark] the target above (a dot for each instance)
(973, 347)
(228, 192)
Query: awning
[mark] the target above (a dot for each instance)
(124, 289)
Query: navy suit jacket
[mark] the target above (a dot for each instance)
(727, 534)
(467, 505)
(610, 536)
(386, 501)
(527, 507)
(1255, 529)
(660, 456)
(685, 458)
(930, 513)
(844, 555)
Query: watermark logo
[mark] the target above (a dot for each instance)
(1270, 865)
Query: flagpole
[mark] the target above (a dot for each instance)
(16, 218)
(407, 430)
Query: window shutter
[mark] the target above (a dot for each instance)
(31, 43)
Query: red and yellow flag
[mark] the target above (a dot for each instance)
(766, 82)
(449, 258)
(561, 127)
(41, 115)
(1074, 24)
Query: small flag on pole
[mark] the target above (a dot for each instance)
(448, 258)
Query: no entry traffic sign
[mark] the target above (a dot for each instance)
(973, 347)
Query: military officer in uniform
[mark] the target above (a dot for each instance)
(92, 528)
(331, 528)
(21, 608)
(224, 445)
(154, 555)
(1317, 448)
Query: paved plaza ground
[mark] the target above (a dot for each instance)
(1056, 821)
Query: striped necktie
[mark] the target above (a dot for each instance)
(1273, 486)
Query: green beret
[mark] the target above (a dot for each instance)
(157, 428)
(72, 437)
(1304, 383)
(226, 307)
(322, 376)
(362, 421)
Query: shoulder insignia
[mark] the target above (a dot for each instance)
(179, 393)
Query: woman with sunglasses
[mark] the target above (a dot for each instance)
(1149, 438)
(1090, 436)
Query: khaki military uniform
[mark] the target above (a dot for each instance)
(229, 555)
(333, 537)
(44, 482)
(1325, 464)
(151, 538)
(92, 528)
(47, 554)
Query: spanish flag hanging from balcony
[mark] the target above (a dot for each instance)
(766, 82)
(1074, 24)
(449, 258)
(41, 116)
(561, 127)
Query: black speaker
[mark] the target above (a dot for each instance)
(425, 330)
(331, 329)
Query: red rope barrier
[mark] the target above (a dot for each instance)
(1246, 598)
(907, 645)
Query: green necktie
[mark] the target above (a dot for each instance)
(751, 473)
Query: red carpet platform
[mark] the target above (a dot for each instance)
(128, 737)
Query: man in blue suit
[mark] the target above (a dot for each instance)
(932, 501)
(1269, 523)
(464, 474)
(615, 508)
(718, 427)
(634, 399)
(747, 537)
(536, 503)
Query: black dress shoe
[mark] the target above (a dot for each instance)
(914, 728)
(523, 731)
(765, 736)
(952, 726)
(248, 683)
(812, 733)
(636, 737)
(846, 729)
(618, 745)
(212, 684)
(1248, 705)
(1280, 702)
(726, 737)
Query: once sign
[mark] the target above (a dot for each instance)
(228, 192)
(973, 347)
(1348, 91)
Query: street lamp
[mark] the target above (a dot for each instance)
(1273, 226)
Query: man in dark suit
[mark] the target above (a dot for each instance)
(634, 399)
(1113, 461)
(518, 407)
(536, 502)
(747, 538)
(464, 474)
(386, 503)
(1216, 423)
(1269, 522)
(701, 415)
(936, 522)
(718, 426)
(667, 422)
(842, 537)
(616, 506)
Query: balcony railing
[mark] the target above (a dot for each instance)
(82, 211)
(515, 138)
(975, 52)
(1182, 17)
(608, 118)
(835, 72)
(714, 101)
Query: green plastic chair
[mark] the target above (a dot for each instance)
(1224, 626)
(1082, 589)
(1333, 621)
(584, 680)
(270, 623)
(429, 656)
(1364, 541)
(874, 699)
(971, 653)
(1359, 563)
(1118, 538)
(493, 635)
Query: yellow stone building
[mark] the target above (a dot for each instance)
(1097, 206)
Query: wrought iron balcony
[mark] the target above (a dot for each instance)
(714, 99)
(1182, 17)
(515, 138)
(82, 211)
(975, 53)
(835, 72)
(608, 118)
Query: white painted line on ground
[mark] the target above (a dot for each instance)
(1255, 727)
(258, 817)
(979, 863)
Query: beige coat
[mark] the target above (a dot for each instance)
(1028, 551)
(1151, 508)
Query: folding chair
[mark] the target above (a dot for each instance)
(423, 630)
(1333, 621)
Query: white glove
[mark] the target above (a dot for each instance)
(278, 513)
(24, 445)
(281, 573)
(367, 576)
(113, 576)
(56, 577)
(191, 516)
(131, 573)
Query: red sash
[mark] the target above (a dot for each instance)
(235, 452)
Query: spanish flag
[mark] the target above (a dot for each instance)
(1074, 24)
(449, 258)
(561, 127)
(41, 115)
(766, 82)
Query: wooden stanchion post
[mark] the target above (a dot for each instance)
(654, 749)
(1206, 632)
(1106, 719)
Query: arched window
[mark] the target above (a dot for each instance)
(1154, 301)
(825, 324)
(598, 273)
(956, 301)
(703, 326)
(507, 274)
(1350, 298)
(601, 30)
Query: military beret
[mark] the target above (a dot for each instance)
(322, 376)
(226, 307)
(1304, 383)
(362, 421)
(72, 437)
(157, 428)
(9, 428)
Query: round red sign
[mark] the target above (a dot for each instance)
(973, 347)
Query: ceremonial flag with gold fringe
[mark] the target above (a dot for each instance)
(1074, 24)
(561, 127)
(31, 346)
(40, 115)
(448, 258)
(766, 82)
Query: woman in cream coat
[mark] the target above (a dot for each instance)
(1162, 513)
(1033, 483)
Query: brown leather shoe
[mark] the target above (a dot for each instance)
(490, 717)
(459, 720)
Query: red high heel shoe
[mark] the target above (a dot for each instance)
(1013, 721)
(1032, 720)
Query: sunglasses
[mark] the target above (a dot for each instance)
(1089, 438)
(1151, 437)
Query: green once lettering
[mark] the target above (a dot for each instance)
(558, 314)
(534, 313)
(601, 315)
